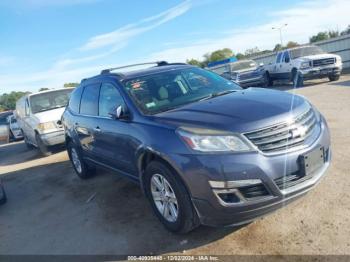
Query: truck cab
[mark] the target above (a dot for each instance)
(304, 63)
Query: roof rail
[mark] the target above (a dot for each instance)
(158, 63)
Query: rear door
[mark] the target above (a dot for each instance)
(285, 67)
(86, 122)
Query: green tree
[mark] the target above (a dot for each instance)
(333, 33)
(346, 31)
(8, 101)
(278, 47)
(194, 62)
(292, 44)
(70, 84)
(240, 56)
(43, 89)
(319, 37)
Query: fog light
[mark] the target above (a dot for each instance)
(229, 197)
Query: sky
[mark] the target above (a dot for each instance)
(46, 43)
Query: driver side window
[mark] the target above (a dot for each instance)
(109, 99)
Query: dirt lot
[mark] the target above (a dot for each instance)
(48, 211)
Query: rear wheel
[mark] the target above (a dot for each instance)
(268, 80)
(44, 149)
(82, 169)
(334, 78)
(169, 198)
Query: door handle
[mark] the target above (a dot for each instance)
(97, 129)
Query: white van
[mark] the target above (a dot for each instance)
(39, 117)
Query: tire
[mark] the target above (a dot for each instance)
(186, 218)
(3, 194)
(297, 79)
(334, 78)
(269, 80)
(82, 169)
(44, 149)
(266, 80)
(29, 145)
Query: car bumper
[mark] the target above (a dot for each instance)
(53, 138)
(251, 82)
(248, 166)
(2, 194)
(320, 72)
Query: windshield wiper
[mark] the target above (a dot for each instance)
(212, 95)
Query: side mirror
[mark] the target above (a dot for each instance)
(119, 112)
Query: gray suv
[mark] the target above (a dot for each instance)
(203, 150)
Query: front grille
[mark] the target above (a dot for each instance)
(284, 136)
(253, 191)
(248, 75)
(323, 62)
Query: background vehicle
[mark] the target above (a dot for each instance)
(39, 117)
(246, 73)
(202, 149)
(303, 63)
(3, 197)
(4, 127)
(15, 130)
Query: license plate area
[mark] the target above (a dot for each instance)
(312, 161)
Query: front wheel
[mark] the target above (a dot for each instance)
(44, 149)
(334, 78)
(169, 198)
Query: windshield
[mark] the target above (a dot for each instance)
(306, 51)
(243, 65)
(168, 90)
(50, 100)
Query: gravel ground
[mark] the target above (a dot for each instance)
(51, 211)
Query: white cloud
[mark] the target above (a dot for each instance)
(129, 31)
(303, 21)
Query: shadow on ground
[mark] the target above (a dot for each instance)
(51, 211)
(23, 154)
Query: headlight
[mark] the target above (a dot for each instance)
(46, 126)
(305, 65)
(205, 140)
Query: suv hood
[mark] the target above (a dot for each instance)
(241, 111)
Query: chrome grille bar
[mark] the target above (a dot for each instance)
(286, 135)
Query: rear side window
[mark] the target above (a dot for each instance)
(110, 98)
(74, 102)
(89, 100)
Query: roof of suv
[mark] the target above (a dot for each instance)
(122, 75)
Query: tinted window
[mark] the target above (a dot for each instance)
(286, 56)
(74, 102)
(89, 100)
(110, 98)
(279, 56)
(167, 90)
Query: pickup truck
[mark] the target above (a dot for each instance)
(303, 63)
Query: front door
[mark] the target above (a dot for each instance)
(115, 144)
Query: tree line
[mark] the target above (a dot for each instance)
(227, 52)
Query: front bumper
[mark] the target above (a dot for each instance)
(2, 194)
(198, 170)
(257, 81)
(53, 138)
(320, 72)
